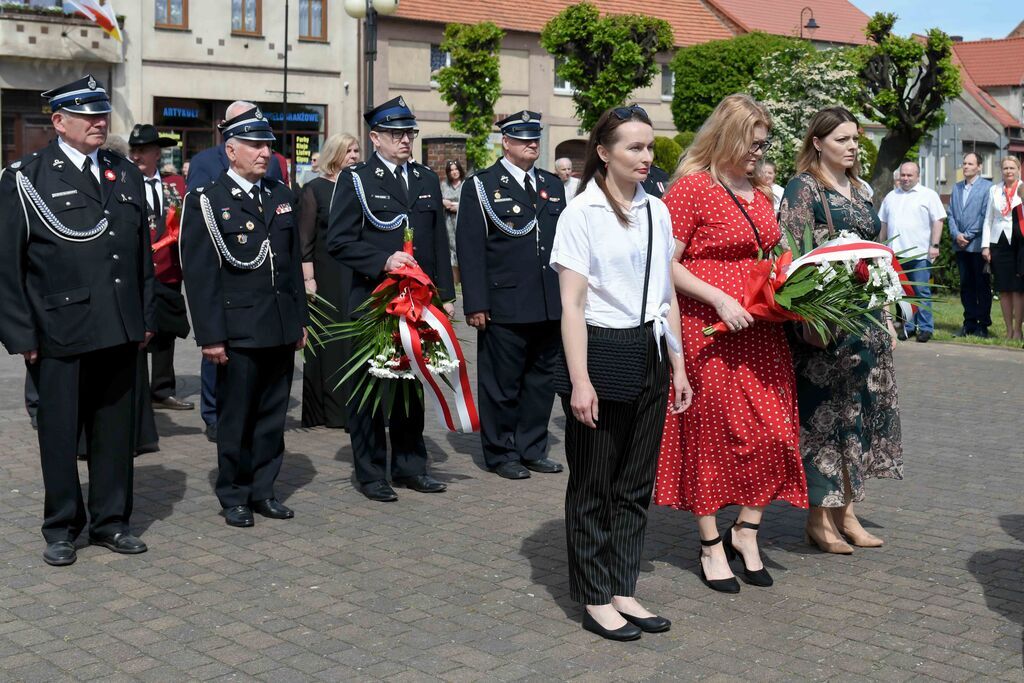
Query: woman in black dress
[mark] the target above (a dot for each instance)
(323, 402)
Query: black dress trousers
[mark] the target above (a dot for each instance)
(94, 391)
(370, 444)
(975, 291)
(253, 389)
(611, 478)
(516, 391)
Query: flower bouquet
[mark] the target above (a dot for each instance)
(402, 334)
(838, 285)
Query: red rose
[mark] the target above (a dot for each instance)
(861, 271)
(429, 334)
(403, 364)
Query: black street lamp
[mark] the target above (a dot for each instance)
(367, 10)
(811, 24)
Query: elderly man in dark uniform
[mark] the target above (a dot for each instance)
(507, 218)
(372, 201)
(241, 260)
(76, 300)
(171, 320)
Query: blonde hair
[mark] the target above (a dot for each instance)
(725, 139)
(333, 153)
(821, 126)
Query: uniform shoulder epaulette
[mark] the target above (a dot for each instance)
(423, 167)
(197, 190)
(24, 162)
(358, 166)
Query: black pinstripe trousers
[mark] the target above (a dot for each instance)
(611, 477)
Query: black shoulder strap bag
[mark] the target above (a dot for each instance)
(616, 358)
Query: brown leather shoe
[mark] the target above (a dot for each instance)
(173, 403)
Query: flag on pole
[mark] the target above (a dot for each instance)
(100, 14)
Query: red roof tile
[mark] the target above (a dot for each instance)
(691, 20)
(988, 103)
(839, 20)
(993, 62)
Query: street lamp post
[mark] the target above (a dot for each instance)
(811, 24)
(367, 10)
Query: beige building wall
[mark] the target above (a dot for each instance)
(527, 82)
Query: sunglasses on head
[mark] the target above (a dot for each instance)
(626, 113)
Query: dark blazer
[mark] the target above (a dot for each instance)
(364, 248)
(509, 276)
(257, 308)
(970, 219)
(66, 297)
(657, 182)
(207, 166)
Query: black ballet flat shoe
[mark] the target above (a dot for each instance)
(730, 585)
(761, 577)
(648, 624)
(623, 633)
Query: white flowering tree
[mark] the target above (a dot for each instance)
(793, 84)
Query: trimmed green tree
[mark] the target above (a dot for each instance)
(904, 83)
(708, 72)
(666, 153)
(472, 84)
(604, 58)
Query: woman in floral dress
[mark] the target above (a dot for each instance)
(846, 390)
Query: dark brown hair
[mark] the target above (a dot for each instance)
(604, 134)
(448, 170)
(821, 126)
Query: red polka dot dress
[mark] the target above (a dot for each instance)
(738, 443)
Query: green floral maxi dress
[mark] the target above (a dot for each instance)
(846, 393)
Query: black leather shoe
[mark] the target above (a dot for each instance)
(380, 491)
(121, 542)
(924, 337)
(648, 624)
(272, 507)
(981, 332)
(60, 554)
(623, 633)
(544, 466)
(173, 403)
(424, 483)
(239, 515)
(211, 432)
(755, 577)
(730, 585)
(963, 332)
(512, 470)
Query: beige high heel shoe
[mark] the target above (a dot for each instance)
(859, 537)
(835, 547)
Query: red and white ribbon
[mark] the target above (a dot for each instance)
(851, 249)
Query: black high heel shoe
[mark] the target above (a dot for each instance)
(761, 577)
(730, 585)
(625, 632)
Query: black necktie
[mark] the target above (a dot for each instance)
(530, 191)
(154, 196)
(400, 176)
(93, 183)
(255, 193)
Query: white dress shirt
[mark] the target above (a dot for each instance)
(909, 215)
(78, 159)
(159, 193)
(391, 167)
(590, 241)
(519, 174)
(242, 182)
(996, 224)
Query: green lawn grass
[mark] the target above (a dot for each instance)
(949, 316)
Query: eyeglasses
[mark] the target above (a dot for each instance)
(398, 135)
(762, 146)
(625, 113)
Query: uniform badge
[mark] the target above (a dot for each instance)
(661, 186)
(57, 164)
(259, 114)
(110, 175)
(543, 194)
(497, 194)
(379, 172)
(401, 101)
(235, 192)
(416, 172)
(152, 222)
(91, 83)
(225, 215)
(283, 208)
(516, 209)
(124, 176)
(249, 225)
(16, 165)
(504, 178)
(525, 116)
(242, 239)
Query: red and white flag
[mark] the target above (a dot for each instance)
(100, 13)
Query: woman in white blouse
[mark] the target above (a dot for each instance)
(600, 252)
(1003, 244)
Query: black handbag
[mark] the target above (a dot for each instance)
(616, 358)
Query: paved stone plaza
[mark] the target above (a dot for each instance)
(471, 584)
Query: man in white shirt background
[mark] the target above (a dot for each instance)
(912, 215)
(563, 167)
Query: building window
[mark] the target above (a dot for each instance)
(171, 14)
(668, 82)
(562, 86)
(247, 17)
(312, 20)
(438, 60)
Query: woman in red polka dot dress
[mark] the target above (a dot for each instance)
(738, 443)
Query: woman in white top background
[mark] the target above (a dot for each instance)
(1003, 244)
(600, 252)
